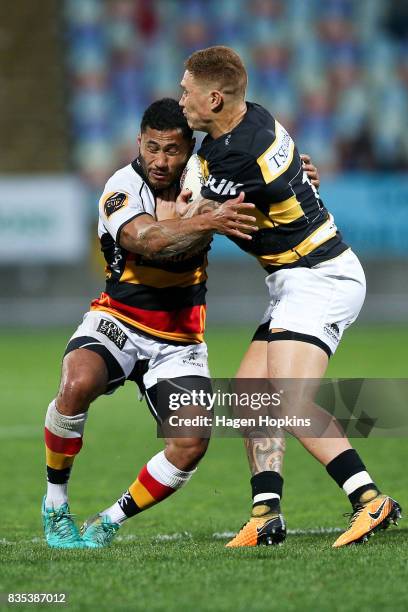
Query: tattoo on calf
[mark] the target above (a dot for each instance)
(265, 454)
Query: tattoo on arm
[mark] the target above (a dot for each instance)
(192, 231)
(199, 206)
(179, 240)
(265, 454)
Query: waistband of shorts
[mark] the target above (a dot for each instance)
(159, 339)
(137, 330)
(329, 250)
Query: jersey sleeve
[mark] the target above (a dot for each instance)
(121, 202)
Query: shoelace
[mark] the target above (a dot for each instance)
(62, 523)
(247, 523)
(102, 530)
(352, 516)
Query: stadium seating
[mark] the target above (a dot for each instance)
(335, 72)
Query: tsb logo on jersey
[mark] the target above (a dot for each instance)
(223, 186)
(278, 156)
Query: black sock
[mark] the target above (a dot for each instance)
(351, 475)
(58, 476)
(267, 490)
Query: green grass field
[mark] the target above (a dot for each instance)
(168, 558)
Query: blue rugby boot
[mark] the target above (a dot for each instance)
(59, 528)
(98, 531)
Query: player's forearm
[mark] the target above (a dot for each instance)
(167, 238)
(198, 207)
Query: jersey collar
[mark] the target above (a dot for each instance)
(209, 140)
(137, 167)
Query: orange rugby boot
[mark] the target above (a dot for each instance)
(368, 518)
(264, 527)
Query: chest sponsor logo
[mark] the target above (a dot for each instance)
(115, 202)
(223, 186)
(113, 332)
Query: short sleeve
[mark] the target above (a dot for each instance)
(121, 202)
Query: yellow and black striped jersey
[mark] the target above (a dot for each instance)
(260, 158)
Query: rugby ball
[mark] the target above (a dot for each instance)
(192, 177)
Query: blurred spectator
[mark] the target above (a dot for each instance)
(335, 73)
(396, 19)
(193, 34)
(316, 134)
(272, 82)
(146, 18)
(229, 19)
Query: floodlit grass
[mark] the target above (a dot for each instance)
(168, 558)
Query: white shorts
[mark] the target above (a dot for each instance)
(130, 348)
(321, 301)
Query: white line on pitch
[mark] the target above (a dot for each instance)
(185, 535)
(313, 531)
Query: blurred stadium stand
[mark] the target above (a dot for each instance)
(77, 74)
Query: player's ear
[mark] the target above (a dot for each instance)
(139, 140)
(216, 100)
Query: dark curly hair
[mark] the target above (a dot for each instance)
(166, 114)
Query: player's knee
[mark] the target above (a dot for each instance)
(186, 453)
(84, 378)
(75, 394)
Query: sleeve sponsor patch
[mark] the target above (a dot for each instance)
(278, 157)
(113, 332)
(115, 202)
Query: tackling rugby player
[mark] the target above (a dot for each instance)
(316, 283)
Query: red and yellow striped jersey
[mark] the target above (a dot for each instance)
(166, 298)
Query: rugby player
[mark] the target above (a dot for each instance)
(147, 324)
(316, 283)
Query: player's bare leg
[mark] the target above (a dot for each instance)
(265, 458)
(297, 360)
(162, 476)
(185, 453)
(84, 378)
(371, 510)
(264, 454)
(301, 360)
